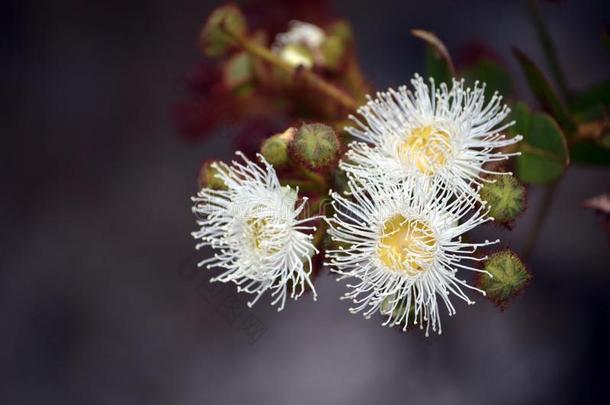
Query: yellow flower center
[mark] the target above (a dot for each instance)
(427, 147)
(258, 233)
(406, 245)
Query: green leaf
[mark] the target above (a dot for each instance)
(438, 62)
(544, 92)
(548, 47)
(437, 67)
(591, 152)
(544, 152)
(592, 104)
(238, 71)
(492, 74)
(505, 197)
(509, 277)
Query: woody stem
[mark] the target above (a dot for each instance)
(312, 79)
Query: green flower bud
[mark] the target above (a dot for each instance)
(208, 177)
(505, 197)
(275, 148)
(316, 146)
(217, 34)
(509, 277)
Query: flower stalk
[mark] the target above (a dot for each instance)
(310, 78)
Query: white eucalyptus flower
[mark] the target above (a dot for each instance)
(405, 248)
(441, 134)
(300, 45)
(254, 227)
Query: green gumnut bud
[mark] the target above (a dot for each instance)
(224, 23)
(315, 146)
(208, 177)
(509, 277)
(505, 197)
(275, 149)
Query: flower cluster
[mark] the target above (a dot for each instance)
(383, 198)
(413, 194)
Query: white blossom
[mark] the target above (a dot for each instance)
(442, 135)
(254, 228)
(405, 250)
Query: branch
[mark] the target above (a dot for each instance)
(315, 81)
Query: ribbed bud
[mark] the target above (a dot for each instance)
(509, 277)
(315, 146)
(275, 148)
(505, 197)
(217, 34)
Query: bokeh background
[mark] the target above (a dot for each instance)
(99, 303)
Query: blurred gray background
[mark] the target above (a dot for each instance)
(99, 302)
